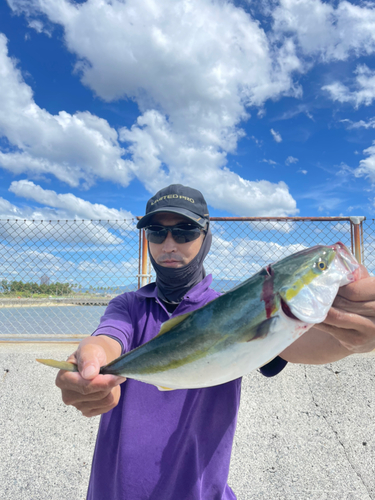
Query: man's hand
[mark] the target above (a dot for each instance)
(89, 392)
(351, 319)
(349, 327)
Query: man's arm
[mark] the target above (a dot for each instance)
(349, 327)
(89, 392)
(315, 347)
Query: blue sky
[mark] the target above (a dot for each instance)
(267, 107)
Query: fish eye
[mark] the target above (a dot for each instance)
(321, 265)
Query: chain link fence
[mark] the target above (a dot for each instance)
(56, 277)
(97, 259)
(368, 244)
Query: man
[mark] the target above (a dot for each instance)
(176, 445)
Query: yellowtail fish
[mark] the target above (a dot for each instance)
(242, 329)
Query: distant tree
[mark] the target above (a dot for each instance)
(30, 287)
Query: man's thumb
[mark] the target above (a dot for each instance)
(89, 360)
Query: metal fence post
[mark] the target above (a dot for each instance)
(144, 273)
(139, 258)
(357, 236)
(144, 259)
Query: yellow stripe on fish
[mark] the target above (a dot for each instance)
(306, 279)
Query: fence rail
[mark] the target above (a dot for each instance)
(100, 259)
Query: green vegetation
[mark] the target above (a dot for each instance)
(30, 289)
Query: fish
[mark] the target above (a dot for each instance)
(244, 328)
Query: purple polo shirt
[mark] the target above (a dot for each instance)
(155, 445)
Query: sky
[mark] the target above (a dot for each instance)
(265, 106)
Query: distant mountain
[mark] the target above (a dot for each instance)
(221, 285)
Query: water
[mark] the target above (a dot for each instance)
(54, 320)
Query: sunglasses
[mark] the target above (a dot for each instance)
(181, 233)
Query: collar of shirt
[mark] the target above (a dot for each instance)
(193, 296)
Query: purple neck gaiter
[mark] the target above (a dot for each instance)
(174, 284)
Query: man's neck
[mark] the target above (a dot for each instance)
(169, 307)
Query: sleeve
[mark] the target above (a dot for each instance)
(273, 367)
(117, 322)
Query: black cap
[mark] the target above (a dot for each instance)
(177, 199)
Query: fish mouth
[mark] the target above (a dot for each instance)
(287, 311)
(347, 261)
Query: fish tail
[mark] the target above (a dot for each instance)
(60, 365)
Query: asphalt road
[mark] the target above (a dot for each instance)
(307, 434)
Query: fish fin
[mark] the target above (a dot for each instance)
(60, 365)
(164, 388)
(168, 325)
(263, 329)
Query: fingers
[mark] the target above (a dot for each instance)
(72, 397)
(90, 357)
(91, 397)
(87, 390)
(93, 408)
(363, 273)
(365, 308)
(73, 381)
(355, 332)
(351, 319)
(358, 291)
(90, 406)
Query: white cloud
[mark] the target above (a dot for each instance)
(74, 148)
(62, 207)
(74, 207)
(63, 261)
(363, 92)
(295, 110)
(291, 160)
(239, 258)
(192, 80)
(39, 27)
(330, 32)
(367, 166)
(360, 124)
(174, 54)
(48, 227)
(45, 224)
(258, 142)
(162, 157)
(271, 162)
(276, 135)
(10, 211)
(341, 227)
(302, 172)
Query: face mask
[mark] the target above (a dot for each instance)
(174, 284)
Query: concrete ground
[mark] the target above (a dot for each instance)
(307, 434)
